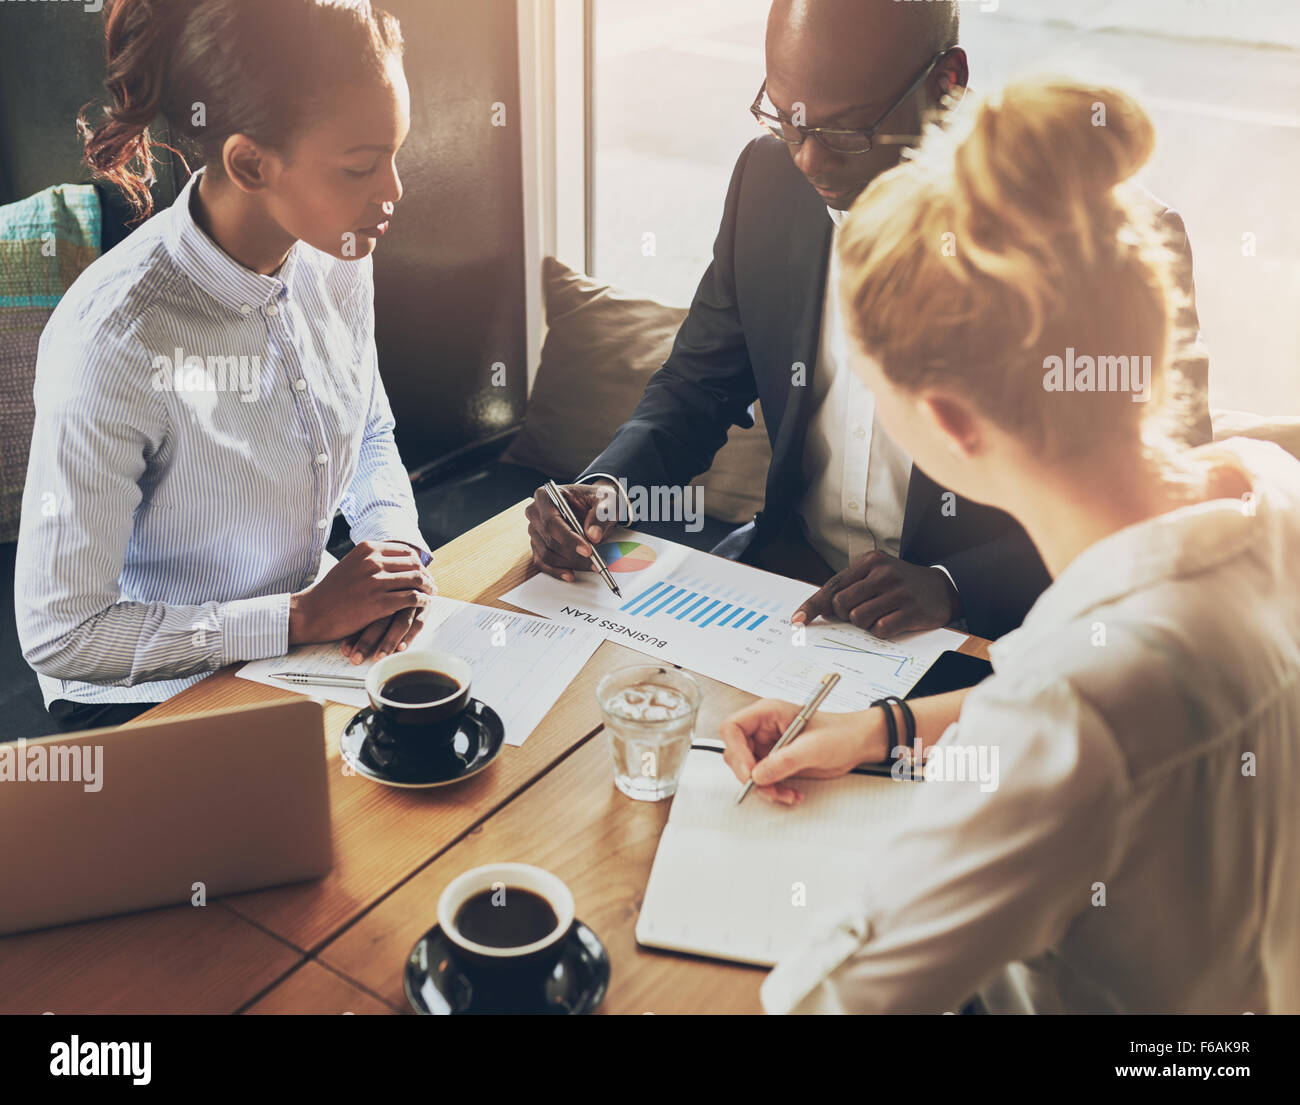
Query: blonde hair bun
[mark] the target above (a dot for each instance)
(1051, 145)
(1008, 235)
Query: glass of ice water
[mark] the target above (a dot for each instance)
(650, 714)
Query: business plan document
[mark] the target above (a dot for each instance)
(730, 622)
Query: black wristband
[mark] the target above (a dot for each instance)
(909, 728)
(909, 720)
(891, 727)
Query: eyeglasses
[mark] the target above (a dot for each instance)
(838, 139)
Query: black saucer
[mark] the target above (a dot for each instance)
(437, 985)
(407, 761)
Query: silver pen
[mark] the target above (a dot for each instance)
(562, 505)
(800, 720)
(301, 677)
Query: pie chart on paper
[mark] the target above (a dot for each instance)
(626, 556)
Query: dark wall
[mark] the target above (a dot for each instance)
(449, 281)
(51, 63)
(51, 66)
(449, 275)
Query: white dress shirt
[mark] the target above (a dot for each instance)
(168, 514)
(1141, 852)
(856, 475)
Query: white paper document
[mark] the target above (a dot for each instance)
(746, 882)
(521, 664)
(730, 622)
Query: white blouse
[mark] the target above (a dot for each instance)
(1141, 850)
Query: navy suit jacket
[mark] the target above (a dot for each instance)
(757, 313)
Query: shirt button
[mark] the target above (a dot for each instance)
(273, 310)
(853, 504)
(321, 458)
(322, 523)
(300, 384)
(246, 309)
(859, 432)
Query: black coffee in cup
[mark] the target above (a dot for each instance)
(507, 925)
(420, 694)
(416, 687)
(506, 917)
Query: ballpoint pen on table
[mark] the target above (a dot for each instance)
(301, 677)
(562, 505)
(800, 720)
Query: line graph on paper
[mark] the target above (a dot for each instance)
(866, 673)
(834, 644)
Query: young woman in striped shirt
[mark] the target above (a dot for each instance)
(207, 392)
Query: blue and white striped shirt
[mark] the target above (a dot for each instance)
(197, 425)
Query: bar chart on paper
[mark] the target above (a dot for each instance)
(695, 602)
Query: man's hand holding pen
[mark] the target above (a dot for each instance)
(557, 549)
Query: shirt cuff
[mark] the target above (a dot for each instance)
(394, 525)
(956, 623)
(254, 629)
(426, 557)
(798, 983)
(622, 492)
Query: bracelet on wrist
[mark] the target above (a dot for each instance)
(887, 704)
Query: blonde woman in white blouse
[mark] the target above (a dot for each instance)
(1141, 850)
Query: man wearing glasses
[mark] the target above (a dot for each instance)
(848, 85)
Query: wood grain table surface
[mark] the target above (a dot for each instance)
(339, 944)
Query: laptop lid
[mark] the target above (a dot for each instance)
(115, 820)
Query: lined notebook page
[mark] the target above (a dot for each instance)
(744, 882)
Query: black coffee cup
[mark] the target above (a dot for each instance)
(420, 694)
(506, 955)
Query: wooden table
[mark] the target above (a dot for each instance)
(339, 944)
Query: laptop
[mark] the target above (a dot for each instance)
(110, 821)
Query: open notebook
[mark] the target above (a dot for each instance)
(728, 880)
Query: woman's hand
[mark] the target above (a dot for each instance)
(830, 745)
(376, 580)
(386, 636)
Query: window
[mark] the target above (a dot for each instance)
(673, 83)
(673, 80)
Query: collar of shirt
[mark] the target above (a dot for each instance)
(837, 217)
(231, 284)
(1186, 541)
